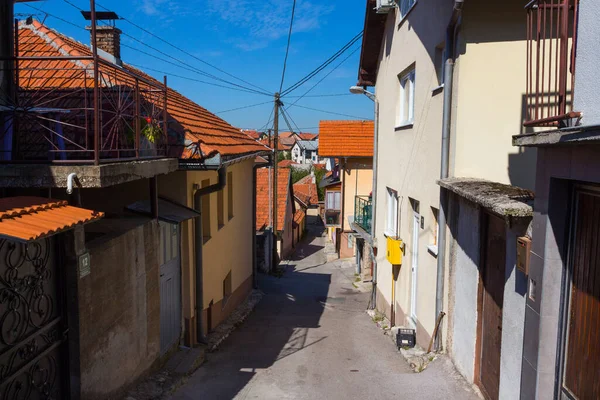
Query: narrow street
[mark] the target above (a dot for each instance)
(310, 338)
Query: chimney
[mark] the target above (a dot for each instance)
(108, 40)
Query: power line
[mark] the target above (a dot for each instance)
(325, 77)
(287, 50)
(244, 107)
(324, 65)
(197, 70)
(286, 113)
(332, 112)
(322, 95)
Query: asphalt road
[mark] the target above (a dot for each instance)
(310, 338)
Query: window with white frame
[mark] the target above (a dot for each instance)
(406, 98)
(333, 201)
(405, 6)
(391, 226)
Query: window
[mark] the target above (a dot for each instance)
(226, 288)
(391, 227)
(405, 6)
(440, 64)
(333, 201)
(406, 100)
(220, 209)
(230, 195)
(206, 213)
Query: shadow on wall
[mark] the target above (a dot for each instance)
(522, 167)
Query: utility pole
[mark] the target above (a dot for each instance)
(275, 144)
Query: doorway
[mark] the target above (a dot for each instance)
(491, 299)
(581, 352)
(415, 259)
(170, 286)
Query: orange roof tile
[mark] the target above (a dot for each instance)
(299, 216)
(307, 136)
(286, 163)
(263, 194)
(31, 218)
(306, 191)
(194, 131)
(346, 138)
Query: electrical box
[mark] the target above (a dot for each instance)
(523, 254)
(384, 6)
(394, 251)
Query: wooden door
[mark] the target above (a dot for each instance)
(492, 297)
(582, 352)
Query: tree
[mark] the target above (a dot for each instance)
(319, 175)
(299, 173)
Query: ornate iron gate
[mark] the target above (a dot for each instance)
(32, 328)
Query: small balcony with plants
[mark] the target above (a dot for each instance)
(363, 212)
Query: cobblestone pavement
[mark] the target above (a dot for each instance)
(310, 338)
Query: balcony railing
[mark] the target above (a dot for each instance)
(363, 212)
(74, 110)
(551, 45)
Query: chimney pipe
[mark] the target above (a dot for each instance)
(108, 40)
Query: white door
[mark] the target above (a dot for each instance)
(170, 286)
(415, 261)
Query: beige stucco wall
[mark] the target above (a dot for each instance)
(490, 87)
(409, 158)
(357, 180)
(236, 233)
(489, 83)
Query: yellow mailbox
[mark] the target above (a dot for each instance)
(394, 251)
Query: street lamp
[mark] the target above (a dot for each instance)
(362, 90)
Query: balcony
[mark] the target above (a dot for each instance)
(551, 44)
(80, 110)
(332, 218)
(363, 212)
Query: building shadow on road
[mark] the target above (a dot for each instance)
(281, 326)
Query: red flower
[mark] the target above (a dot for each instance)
(148, 119)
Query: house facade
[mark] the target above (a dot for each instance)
(305, 152)
(431, 66)
(141, 280)
(560, 352)
(351, 142)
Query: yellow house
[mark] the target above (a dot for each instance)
(348, 194)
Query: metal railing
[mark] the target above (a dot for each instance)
(551, 54)
(363, 212)
(80, 110)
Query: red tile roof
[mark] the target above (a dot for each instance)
(306, 191)
(263, 196)
(286, 163)
(307, 136)
(197, 128)
(346, 138)
(299, 216)
(32, 218)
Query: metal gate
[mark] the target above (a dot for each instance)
(170, 286)
(32, 327)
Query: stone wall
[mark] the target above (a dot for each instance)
(119, 307)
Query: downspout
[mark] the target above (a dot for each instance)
(450, 50)
(198, 193)
(374, 205)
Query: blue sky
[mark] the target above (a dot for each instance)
(246, 38)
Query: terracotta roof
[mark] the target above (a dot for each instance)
(191, 127)
(31, 218)
(306, 191)
(252, 133)
(299, 216)
(283, 135)
(263, 194)
(307, 136)
(286, 163)
(346, 138)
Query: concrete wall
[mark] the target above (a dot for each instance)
(489, 89)
(558, 169)
(218, 259)
(587, 85)
(287, 236)
(466, 264)
(119, 305)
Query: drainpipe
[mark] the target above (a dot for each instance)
(374, 204)
(451, 33)
(72, 178)
(198, 193)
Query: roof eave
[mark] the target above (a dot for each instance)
(374, 29)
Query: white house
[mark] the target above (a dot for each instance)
(305, 152)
